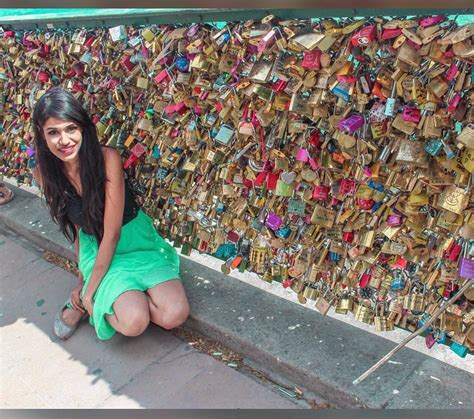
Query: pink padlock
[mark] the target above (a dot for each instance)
(302, 155)
(351, 124)
(454, 102)
(273, 221)
(321, 192)
(430, 21)
(138, 149)
(452, 71)
(162, 77)
(347, 78)
(411, 114)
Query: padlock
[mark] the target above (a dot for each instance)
(364, 312)
(323, 303)
(382, 323)
(466, 262)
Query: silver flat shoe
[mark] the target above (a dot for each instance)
(63, 330)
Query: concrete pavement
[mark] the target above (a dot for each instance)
(155, 370)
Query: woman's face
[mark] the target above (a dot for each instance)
(63, 138)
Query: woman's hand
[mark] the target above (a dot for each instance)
(76, 297)
(87, 302)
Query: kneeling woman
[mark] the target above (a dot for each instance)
(129, 275)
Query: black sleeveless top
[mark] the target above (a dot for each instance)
(74, 206)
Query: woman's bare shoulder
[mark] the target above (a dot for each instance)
(112, 159)
(110, 152)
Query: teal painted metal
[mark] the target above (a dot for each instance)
(89, 18)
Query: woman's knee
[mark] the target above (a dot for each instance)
(134, 323)
(175, 316)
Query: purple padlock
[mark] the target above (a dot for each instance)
(466, 268)
(273, 221)
(393, 220)
(351, 124)
(30, 151)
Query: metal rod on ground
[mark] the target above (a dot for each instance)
(433, 318)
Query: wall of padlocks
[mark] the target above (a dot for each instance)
(332, 157)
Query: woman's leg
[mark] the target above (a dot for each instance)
(132, 314)
(168, 304)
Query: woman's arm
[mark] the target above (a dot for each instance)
(113, 216)
(76, 247)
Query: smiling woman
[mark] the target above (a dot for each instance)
(129, 275)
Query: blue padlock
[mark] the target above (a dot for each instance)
(441, 336)
(225, 251)
(423, 319)
(220, 207)
(433, 147)
(458, 349)
(182, 64)
(334, 257)
(283, 232)
(375, 186)
(376, 206)
(156, 152)
(397, 283)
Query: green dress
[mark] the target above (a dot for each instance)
(142, 259)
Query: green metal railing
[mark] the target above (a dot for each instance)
(75, 18)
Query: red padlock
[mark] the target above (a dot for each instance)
(390, 33)
(43, 76)
(132, 160)
(287, 283)
(348, 236)
(364, 280)
(454, 252)
(347, 186)
(279, 86)
(127, 64)
(365, 36)
(365, 204)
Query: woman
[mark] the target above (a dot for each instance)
(129, 275)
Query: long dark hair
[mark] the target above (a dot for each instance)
(61, 104)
